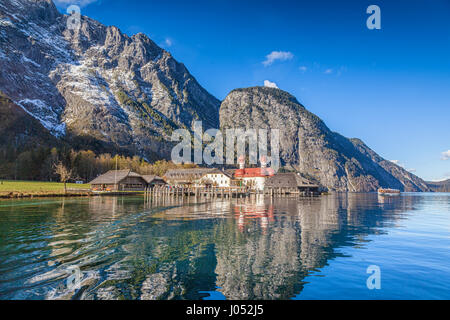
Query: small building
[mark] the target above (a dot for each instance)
(186, 177)
(289, 183)
(119, 180)
(218, 178)
(153, 181)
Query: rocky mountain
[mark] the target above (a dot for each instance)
(95, 85)
(441, 186)
(309, 146)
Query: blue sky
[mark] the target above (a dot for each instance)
(388, 87)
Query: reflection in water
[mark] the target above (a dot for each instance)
(127, 248)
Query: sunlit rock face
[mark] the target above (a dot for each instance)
(308, 145)
(95, 81)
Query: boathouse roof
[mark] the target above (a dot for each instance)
(114, 177)
(152, 178)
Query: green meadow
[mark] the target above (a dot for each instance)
(37, 187)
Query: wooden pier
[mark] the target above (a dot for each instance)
(224, 193)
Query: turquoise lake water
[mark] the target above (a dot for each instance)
(259, 248)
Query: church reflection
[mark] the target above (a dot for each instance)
(255, 209)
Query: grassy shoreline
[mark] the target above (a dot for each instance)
(38, 189)
(18, 195)
(29, 189)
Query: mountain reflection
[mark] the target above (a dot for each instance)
(127, 248)
(301, 236)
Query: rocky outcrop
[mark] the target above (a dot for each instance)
(95, 81)
(309, 146)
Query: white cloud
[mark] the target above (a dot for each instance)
(168, 42)
(303, 69)
(446, 155)
(328, 71)
(446, 176)
(80, 3)
(277, 55)
(270, 84)
(400, 164)
(341, 70)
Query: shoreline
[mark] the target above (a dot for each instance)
(22, 195)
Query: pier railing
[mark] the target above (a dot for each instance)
(222, 192)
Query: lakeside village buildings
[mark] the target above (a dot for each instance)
(255, 179)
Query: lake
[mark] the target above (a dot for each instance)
(258, 248)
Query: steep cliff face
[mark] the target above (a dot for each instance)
(95, 81)
(309, 146)
(410, 181)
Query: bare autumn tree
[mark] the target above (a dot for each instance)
(64, 173)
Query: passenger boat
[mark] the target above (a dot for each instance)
(388, 192)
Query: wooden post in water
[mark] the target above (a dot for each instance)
(145, 194)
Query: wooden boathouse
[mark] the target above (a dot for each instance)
(119, 180)
(154, 181)
(290, 183)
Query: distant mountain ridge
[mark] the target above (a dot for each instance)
(441, 186)
(98, 88)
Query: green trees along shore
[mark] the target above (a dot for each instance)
(39, 165)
